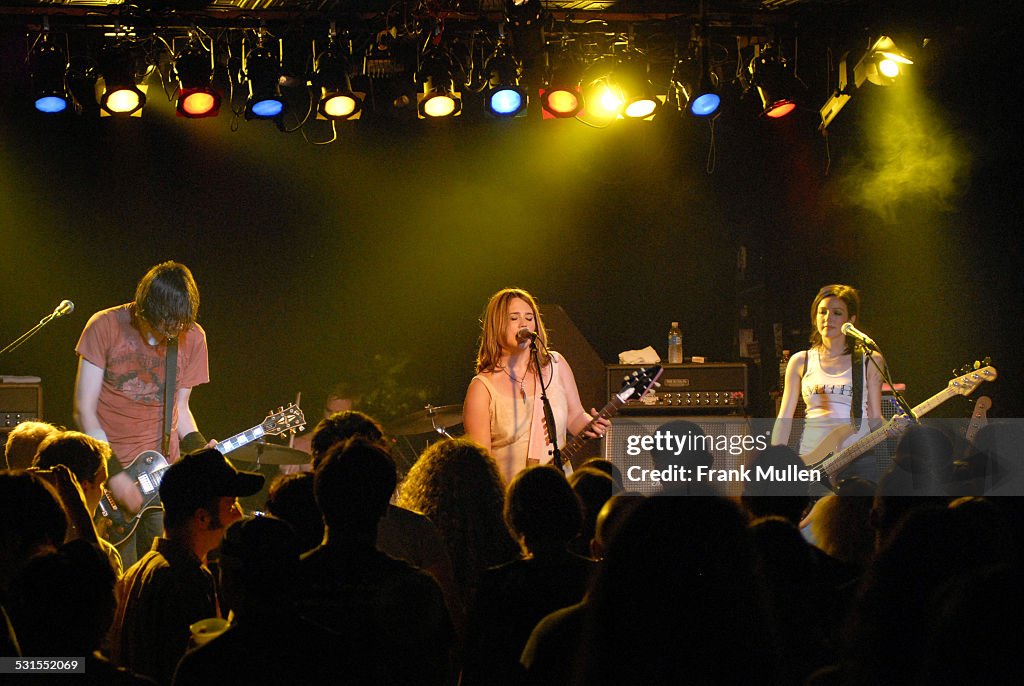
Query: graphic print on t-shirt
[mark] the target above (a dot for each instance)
(136, 371)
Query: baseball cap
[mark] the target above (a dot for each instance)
(204, 474)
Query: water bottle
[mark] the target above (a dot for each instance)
(675, 344)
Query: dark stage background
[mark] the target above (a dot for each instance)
(371, 259)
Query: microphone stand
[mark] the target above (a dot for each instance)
(13, 345)
(904, 405)
(549, 416)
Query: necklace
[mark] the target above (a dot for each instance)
(521, 382)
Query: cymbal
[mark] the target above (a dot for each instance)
(269, 453)
(428, 419)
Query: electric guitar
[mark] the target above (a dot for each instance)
(116, 524)
(825, 459)
(635, 387)
(979, 418)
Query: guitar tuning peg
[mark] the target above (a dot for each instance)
(987, 361)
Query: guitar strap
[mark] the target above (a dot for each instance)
(170, 381)
(856, 407)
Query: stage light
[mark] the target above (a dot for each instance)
(630, 84)
(48, 64)
(562, 96)
(522, 13)
(197, 98)
(697, 84)
(121, 92)
(561, 102)
(505, 99)
(882, 65)
(439, 98)
(262, 68)
(337, 99)
(769, 73)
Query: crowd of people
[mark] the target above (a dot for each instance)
(487, 564)
(455, 575)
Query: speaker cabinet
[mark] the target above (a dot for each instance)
(20, 402)
(723, 431)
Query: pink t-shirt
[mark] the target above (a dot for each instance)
(130, 407)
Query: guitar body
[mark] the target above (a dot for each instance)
(831, 463)
(113, 522)
(116, 524)
(828, 446)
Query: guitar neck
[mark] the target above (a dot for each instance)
(579, 440)
(240, 439)
(858, 448)
(979, 418)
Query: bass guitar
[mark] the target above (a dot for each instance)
(979, 418)
(826, 460)
(116, 524)
(636, 386)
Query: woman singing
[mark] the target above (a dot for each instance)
(503, 411)
(838, 383)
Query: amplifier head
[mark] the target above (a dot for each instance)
(720, 387)
(19, 403)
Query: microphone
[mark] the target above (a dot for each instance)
(524, 335)
(849, 329)
(65, 307)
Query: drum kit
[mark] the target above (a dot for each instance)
(437, 419)
(432, 419)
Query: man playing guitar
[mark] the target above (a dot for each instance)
(119, 390)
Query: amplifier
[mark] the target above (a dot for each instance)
(717, 388)
(20, 402)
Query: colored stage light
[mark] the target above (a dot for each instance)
(882, 65)
(770, 74)
(262, 68)
(619, 88)
(505, 99)
(697, 84)
(636, 91)
(197, 98)
(561, 102)
(48, 64)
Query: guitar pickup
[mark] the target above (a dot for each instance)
(146, 484)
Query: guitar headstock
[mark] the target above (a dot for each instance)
(978, 364)
(639, 383)
(286, 419)
(969, 380)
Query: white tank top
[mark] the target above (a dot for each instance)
(828, 398)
